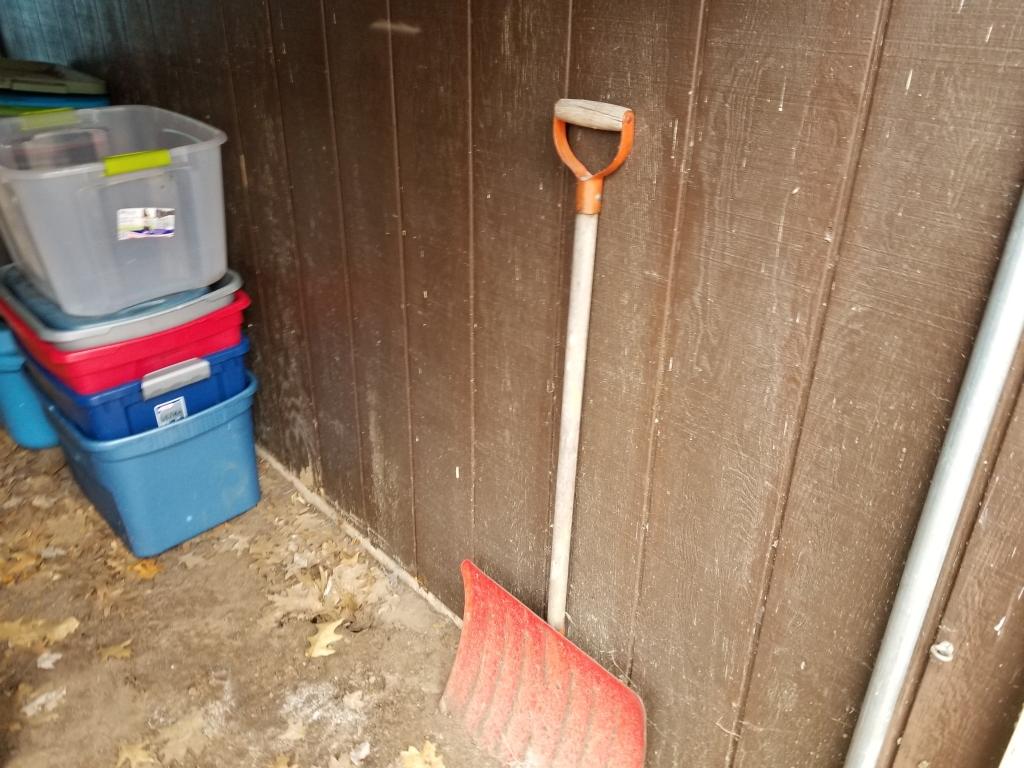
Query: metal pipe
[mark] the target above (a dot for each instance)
(987, 371)
(583, 249)
(1014, 755)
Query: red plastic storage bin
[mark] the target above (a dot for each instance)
(89, 371)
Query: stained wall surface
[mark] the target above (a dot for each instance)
(791, 269)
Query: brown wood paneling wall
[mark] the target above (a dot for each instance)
(790, 272)
(921, 242)
(519, 226)
(308, 128)
(367, 145)
(777, 134)
(290, 424)
(430, 54)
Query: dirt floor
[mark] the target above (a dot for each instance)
(272, 641)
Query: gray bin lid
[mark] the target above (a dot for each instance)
(220, 295)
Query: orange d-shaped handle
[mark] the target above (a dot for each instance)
(602, 117)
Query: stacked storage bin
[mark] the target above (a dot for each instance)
(128, 319)
(27, 86)
(21, 409)
(32, 86)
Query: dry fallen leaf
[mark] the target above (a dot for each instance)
(235, 542)
(184, 736)
(359, 752)
(105, 597)
(354, 700)
(296, 731)
(427, 758)
(68, 529)
(22, 692)
(191, 560)
(17, 567)
(39, 501)
(44, 702)
(146, 569)
(262, 547)
(297, 599)
(47, 659)
(351, 560)
(134, 755)
(341, 761)
(24, 634)
(320, 643)
(119, 559)
(117, 651)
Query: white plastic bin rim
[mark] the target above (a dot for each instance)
(190, 134)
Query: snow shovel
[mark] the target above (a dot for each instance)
(524, 692)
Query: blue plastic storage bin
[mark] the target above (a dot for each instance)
(163, 487)
(21, 409)
(158, 400)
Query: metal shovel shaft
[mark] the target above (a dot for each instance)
(583, 251)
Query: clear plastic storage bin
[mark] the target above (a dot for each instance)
(106, 208)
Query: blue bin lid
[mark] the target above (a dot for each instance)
(7, 345)
(54, 317)
(124, 390)
(16, 101)
(156, 440)
(11, 358)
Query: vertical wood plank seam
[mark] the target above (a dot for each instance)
(558, 329)
(257, 289)
(125, 29)
(402, 280)
(675, 246)
(42, 31)
(920, 663)
(471, 213)
(344, 259)
(812, 357)
(106, 43)
(315, 466)
(159, 58)
(78, 23)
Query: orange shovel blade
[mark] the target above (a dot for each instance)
(530, 697)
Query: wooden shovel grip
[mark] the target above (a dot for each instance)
(591, 114)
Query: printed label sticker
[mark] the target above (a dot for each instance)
(141, 223)
(170, 412)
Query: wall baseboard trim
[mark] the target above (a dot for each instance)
(347, 524)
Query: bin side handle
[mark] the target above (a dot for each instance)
(174, 377)
(130, 162)
(40, 119)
